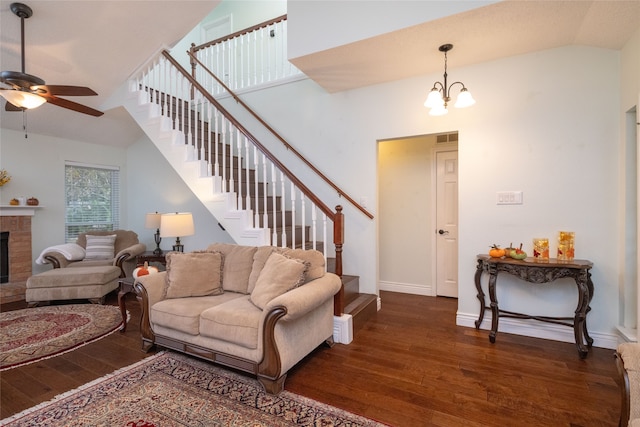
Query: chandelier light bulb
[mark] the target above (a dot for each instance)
(464, 99)
(438, 110)
(434, 99)
(22, 99)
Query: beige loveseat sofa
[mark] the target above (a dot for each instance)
(257, 309)
(126, 248)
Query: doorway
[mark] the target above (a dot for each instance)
(410, 258)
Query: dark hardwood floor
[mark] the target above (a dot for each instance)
(409, 366)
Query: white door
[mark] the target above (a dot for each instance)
(447, 223)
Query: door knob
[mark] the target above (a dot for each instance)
(441, 231)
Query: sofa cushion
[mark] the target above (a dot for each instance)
(259, 259)
(236, 321)
(183, 314)
(194, 274)
(100, 247)
(279, 275)
(238, 261)
(314, 259)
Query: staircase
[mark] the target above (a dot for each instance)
(253, 197)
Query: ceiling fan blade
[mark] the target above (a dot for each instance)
(65, 103)
(63, 90)
(10, 107)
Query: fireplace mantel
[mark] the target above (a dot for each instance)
(21, 210)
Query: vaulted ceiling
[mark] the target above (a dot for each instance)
(100, 43)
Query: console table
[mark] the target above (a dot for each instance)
(538, 273)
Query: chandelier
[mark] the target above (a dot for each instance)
(440, 94)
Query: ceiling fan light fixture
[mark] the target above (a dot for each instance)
(22, 99)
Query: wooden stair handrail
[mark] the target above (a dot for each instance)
(323, 207)
(194, 61)
(240, 33)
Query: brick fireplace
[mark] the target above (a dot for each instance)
(17, 224)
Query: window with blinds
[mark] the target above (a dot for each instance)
(92, 199)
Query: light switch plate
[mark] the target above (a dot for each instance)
(509, 197)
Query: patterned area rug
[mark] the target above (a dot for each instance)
(171, 389)
(32, 334)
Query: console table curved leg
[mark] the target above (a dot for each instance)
(480, 294)
(580, 318)
(495, 312)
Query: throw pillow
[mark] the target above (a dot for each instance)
(279, 275)
(194, 274)
(100, 247)
(238, 260)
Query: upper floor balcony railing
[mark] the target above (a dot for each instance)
(251, 58)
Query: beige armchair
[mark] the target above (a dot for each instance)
(126, 248)
(628, 363)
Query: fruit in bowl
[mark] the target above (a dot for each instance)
(507, 251)
(496, 251)
(518, 253)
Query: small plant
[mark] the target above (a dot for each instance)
(4, 177)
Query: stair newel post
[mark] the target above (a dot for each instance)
(338, 241)
(193, 63)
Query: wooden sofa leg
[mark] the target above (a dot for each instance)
(147, 345)
(330, 342)
(272, 386)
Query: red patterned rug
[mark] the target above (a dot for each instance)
(171, 389)
(32, 334)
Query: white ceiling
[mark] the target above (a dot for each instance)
(99, 44)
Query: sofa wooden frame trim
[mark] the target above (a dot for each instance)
(267, 370)
(625, 391)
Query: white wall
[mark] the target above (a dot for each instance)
(545, 123)
(148, 183)
(36, 165)
(153, 186)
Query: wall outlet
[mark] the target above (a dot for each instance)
(509, 197)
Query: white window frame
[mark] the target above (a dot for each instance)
(81, 222)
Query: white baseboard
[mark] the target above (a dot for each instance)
(533, 328)
(407, 288)
(343, 329)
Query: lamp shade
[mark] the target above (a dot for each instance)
(434, 99)
(464, 99)
(22, 99)
(177, 224)
(152, 220)
(439, 110)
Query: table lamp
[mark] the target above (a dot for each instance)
(152, 220)
(177, 225)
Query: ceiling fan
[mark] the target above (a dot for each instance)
(24, 91)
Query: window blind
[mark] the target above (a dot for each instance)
(92, 199)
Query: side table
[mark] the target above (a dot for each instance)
(126, 286)
(150, 257)
(538, 273)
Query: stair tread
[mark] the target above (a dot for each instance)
(361, 301)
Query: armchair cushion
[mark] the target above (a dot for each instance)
(100, 247)
(123, 254)
(194, 274)
(279, 275)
